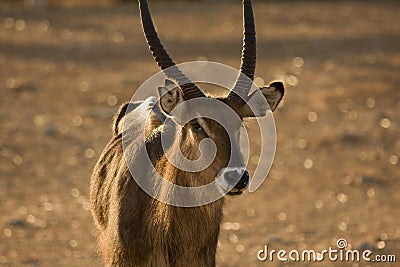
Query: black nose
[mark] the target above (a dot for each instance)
(244, 181)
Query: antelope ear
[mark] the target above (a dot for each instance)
(170, 96)
(272, 93)
(119, 118)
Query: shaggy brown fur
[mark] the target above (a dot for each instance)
(137, 230)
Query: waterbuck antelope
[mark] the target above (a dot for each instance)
(136, 229)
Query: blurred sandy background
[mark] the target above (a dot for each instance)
(65, 70)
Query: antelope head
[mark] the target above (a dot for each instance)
(228, 163)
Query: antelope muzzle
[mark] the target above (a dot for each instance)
(235, 179)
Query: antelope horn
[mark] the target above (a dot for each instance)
(249, 55)
(189, 89)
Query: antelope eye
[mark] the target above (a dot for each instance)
(196, 127)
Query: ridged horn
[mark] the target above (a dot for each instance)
(189, 89)
(249, 56)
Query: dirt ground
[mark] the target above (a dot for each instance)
(64, 72)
